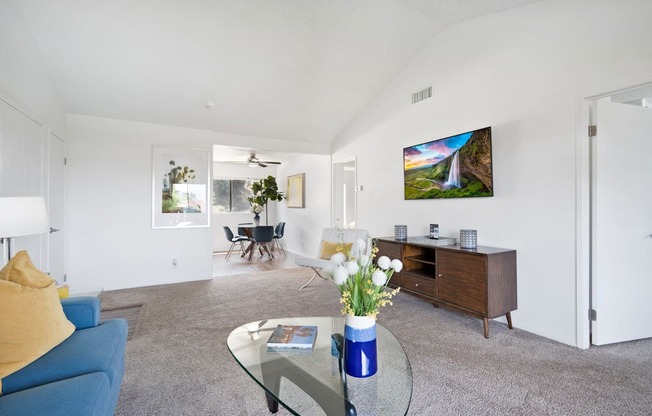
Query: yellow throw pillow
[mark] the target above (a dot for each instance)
(32, 321)
(329, 248)
(64, 291)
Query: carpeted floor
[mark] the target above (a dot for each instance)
(178, 362)
(130, 313)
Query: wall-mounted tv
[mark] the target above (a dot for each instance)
(452, 167)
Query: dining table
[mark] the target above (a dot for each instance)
(248, 229)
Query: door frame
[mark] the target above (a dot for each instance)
(334, 189)
(585, 117)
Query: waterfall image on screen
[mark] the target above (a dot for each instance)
(453, 167)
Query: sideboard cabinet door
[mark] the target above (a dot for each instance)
(462, 279)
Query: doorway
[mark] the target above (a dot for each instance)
(620, 216)
(344, 193)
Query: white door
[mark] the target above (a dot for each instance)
(56, 209)
(622, 224)
(22, 173)
(344, 193)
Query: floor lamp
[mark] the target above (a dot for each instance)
(20, 216)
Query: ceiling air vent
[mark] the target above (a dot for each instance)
(422, 95)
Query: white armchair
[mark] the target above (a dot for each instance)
(331, 239)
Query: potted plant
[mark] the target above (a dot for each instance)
(265, 190)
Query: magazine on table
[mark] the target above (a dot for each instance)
(292, 338)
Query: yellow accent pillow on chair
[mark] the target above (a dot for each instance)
(32, 321)
(329, 248)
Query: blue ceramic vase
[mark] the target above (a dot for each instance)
(360, 359)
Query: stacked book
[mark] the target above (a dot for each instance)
(298, 338)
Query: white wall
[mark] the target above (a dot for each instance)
(304, 225)
(525, 73)
(111, 243)
(236, 171)
(29, 107)
(24, 79)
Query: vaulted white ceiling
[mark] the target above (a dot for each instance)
(297, 70)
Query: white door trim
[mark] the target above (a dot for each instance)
(333, 190)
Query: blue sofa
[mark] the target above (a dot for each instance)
(80, 376)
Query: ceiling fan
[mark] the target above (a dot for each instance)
(253, 161)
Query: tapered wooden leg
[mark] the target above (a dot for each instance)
(509, 320)
(485, 321)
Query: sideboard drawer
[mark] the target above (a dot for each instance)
(423, 285)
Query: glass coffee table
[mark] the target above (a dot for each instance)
(310, 383)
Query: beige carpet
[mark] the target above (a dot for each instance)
(129, 313)
(178, 362)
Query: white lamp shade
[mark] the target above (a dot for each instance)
(23, 215)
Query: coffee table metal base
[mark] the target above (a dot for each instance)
(331, 402)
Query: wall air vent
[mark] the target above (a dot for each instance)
(422, 95)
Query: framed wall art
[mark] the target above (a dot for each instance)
(296, 191)
(180, 187)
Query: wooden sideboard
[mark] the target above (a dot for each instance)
(480, 282)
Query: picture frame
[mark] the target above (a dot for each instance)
(181, 179)
(296, 191)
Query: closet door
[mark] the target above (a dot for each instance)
(56, 208)
(22, 170)
(622, 224)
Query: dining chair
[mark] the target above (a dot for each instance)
(278, 234)
(234, 240)
(263, 235)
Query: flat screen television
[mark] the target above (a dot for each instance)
(452, 167)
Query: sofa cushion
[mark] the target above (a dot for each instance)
(87, 394)
(32, 321)
(99, 348)
(328, 248)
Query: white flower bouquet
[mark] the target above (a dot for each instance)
(363, 284)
